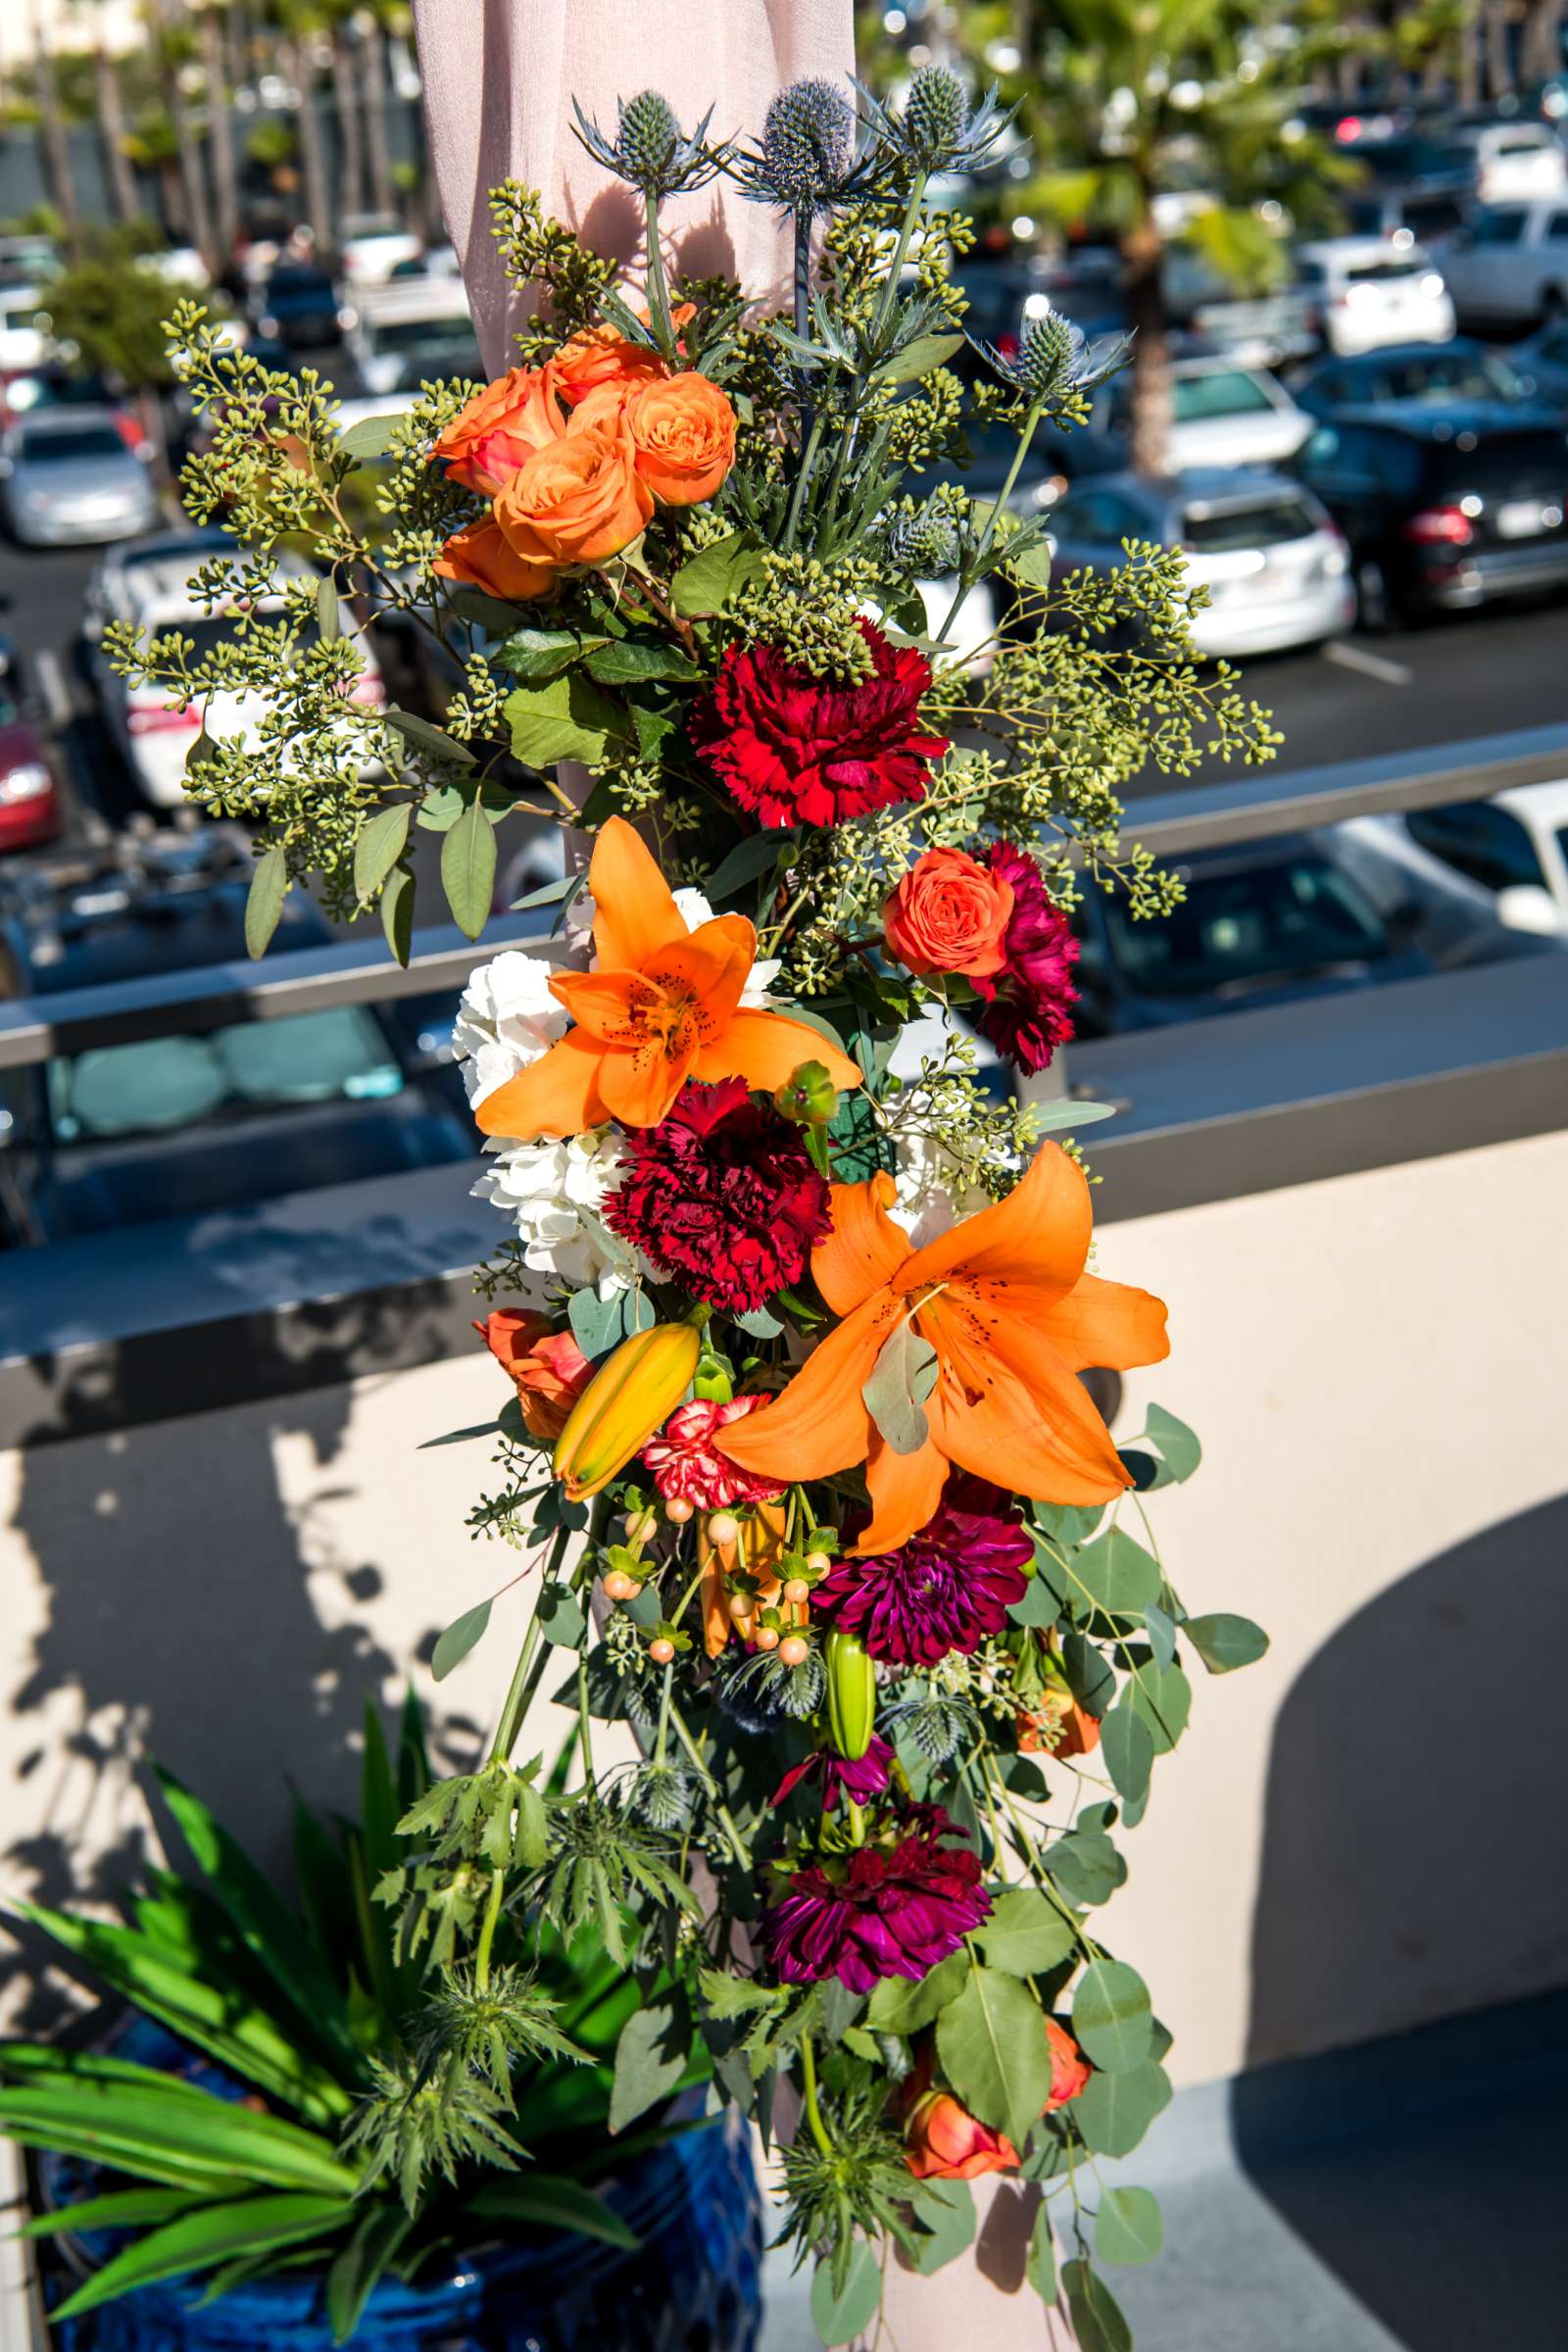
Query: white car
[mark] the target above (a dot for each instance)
(1509, 265)
(151, 591)
(1221, 414)
(399, 333)
(1515, 162)
(24, 327)
(1512, 850)
(371, 245)
(1376, 291)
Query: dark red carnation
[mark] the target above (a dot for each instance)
(801, 751)
(723, 1192)
(1029, 1003)
(949, 1588)
(892, 1907)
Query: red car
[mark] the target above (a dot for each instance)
(29, 799)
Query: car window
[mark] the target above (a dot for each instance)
(60, 448)
(1557, 228)
(1432, 215)
(1097, 517)
(1232, 929)
(164, 1083)
(1478, 839)
(1497, 228)
(1443, 375)
(414, 334)
(1271, 523)
(10, 708)
(1393, 271)
(1217, 392)
(1500, 460)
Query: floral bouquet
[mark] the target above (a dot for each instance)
(827, 1543)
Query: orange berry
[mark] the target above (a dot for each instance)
(798, 1590)
(793, 1650)
(767, 1637)
(741, 1605)
(618, 1585)
(818, 1562)
(662, 1651)
(678, 1510)
(723, 1527)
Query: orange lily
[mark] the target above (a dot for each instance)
(1004, 1299)
(665, 1005)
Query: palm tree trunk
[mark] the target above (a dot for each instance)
(192, 177)
(1499, 71)
(52, 136)
(345, 123)
(373, 81)
(297, 61)
(1468, 78)
(1143, 255)
(1542, 55)
(220, 138)
(118, 173)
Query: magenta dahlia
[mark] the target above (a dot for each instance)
(723, 1192)
(863, 1779)
(1028, 1010)
(948, 1588)
(889, 1908)
(802, 751)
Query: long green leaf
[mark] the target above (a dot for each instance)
(120, 2209)
(554, 2203)
(351, 2279)
(264, 901)
(468, 868)
(216, 2134)
(197, 2241)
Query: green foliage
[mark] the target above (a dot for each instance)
(114, 313)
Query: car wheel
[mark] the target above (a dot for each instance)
(1374, 606)
(1553, 306)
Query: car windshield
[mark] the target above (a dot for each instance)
(81, 441)
(414, 334)
(1501, 461)
(207, 631)
(1393, 271)
(1497, 228)
(1234, 929)
(1445, 375)
(1217, 392)
(10, 708)
(300, 285)
(439, 364)
(1269, 524)
(166, 1083)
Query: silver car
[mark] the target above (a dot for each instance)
(1274, 564)
(67, 478)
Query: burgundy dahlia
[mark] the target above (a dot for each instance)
(723, 1192)
(948, 1588)
(880, 1910)
(802, 751)
(1028, 1011)
(861, 1780)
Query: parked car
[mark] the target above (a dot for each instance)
(1511, 848)
(1422, 214)
(1222, 415)
(67, 478)
(1412, 160)
(155, 597)
(1544, 359)
(23, 326)
(1516, 161)
(1256, 331)
(115, 1136)
(371, 245)
(54, 386)
(30, 797)
(417, 330)
(1274, 564)
(1509, 265)
(1445, 507)
(1413, 371)
(298, 306)
(1375, 292)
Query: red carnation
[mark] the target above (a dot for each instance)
(723, 1192)
(800, 752)
(1029, 1003)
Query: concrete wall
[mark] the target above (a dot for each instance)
(1352, 1837)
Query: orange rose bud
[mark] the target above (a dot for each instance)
(479, 556)
(577, 501)
(683, 432)
(548, 1368)
(599, 356)
(948, 914)
(501, 427)
(944, 2141)
(1070, 2070)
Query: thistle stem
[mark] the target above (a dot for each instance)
(487, 1932)
(658, 287)
(814, 2112)
(969, 572)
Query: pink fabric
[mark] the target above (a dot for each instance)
(499, 80)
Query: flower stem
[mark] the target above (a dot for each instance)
(663, 1741)
(814, 442)
(814, 2112)
(487, 1932)
(658, 289)
(970, 571)
(589, 1779)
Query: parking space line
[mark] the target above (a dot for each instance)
(52, 686)
(1371, 665)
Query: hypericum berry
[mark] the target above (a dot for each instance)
(640, 1526)
(793, 1650)
(797, 1589)
(818, 1562)
(618, 1585)
(662, 1650)
(678, 1511)
(723, 1527)
(767, 1637)
(741, 1606)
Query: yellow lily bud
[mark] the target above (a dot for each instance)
(632, 1394)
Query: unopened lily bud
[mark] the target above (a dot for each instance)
(808, 1097)
(632, 1394)
(850, 1695)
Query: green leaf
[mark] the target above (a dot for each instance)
(397, 914)
(1225, 1643)
(421, 736)
(264, 901)
(120, 2209)
(1177, 1444)
(554, 2204)
(561, 1617)
(379, 846)
(196, 2134)
(840, 2315)
(917, 359)
(569, 719)
(1039, 2269)
(1112, 2016)
(461, 1636)
(1162, 1631)
(353, 2276)
(1090, 1674)
(902, 1379)
(1128, 2228)
(1114, 2111)
(757, 854)
(650, 2061)
(1025, 1934)
(635, 661)
(714, 576)
(1030, 564)
(1163, 1697)
(600, 1324)
(197, 2241)
(1050, 1118)
(489, 612)
(758, 1323)
(899, 2006)
(1086, 1866)
(536, 654)
(1128, 1747)
(944, 2209)
(372, 437)
(549, 893)
(468, 868)
(1097, 2316)
(1042, 1602)
(994, 2052)
(1067, 1523)
(1118, 1575)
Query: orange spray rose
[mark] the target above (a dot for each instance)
(600, 356)
(548, 1368)
(479, 556)
(501, 427)
(1070, 2070)
(683, 432)
(948, 914)
(944, 2141)
(576, 502)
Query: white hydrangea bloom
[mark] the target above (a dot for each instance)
(506, 1020)
(554, 1194)
(695, 910)
(927, 1198)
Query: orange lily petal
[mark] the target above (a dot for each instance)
(1108, 1323)
(605, 1004)
(557, 1095)
(640, 1085)
(708, 971)
(1039, 1234)
(864, 1250)
(905, 1489)
(819, 1424)
(1037, 1435)
(766, 1048)
(635, 914)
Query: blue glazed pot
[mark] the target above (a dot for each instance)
(693, 2284)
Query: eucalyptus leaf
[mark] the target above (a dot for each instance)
(1117, 1574)
(1097, 2316)
(1162, 1631)
(917, 359)
(944, 2209)
(1114, 2111)
(1178, 1446)
(468, 868)
(372, 436)
(379, 846)
(1163, 1697)
(264, 901)
(567, 719)
(759, 1323)
(902, 1379)
(397, 912)
(1128, 1747)
(757, 854)
(1085, 1865)
(1128, 2228)
(1225, 1643)
(463, 1634)
(422, 737)
(840, 2314)
(328, 612)
(1025, 1934)
(994, 2052)
(1048, 1118)
(1112, 2016)
(1040, 2267)
(561, 1617)
(650, 2060)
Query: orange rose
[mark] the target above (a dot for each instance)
(944, 2141)
(601, 356)
(948, 914)
(501, 427)
(1059, 1727)
(1070, 2070)
(683, 430)
(548, 1367)
(576, 502)
(479, 556)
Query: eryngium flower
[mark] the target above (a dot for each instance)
(649, 150)
(806, 161)
(1054, 359)
(1029, 1003)
(937, 132)
(949, 1588)
(892, 1908)
(924, 545)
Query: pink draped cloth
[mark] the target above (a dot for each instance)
(499, 80)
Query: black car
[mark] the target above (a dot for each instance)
(299, 308)
(183, 1125)
(1445, 506)
(1402, 373)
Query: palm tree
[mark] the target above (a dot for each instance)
(175, 51)
(219, 132)
(52, 134)
(373, 81)
(345, 117)
(111, 111)
(301, 25)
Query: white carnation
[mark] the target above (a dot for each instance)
(928, 1196)
(555, 1192)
